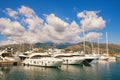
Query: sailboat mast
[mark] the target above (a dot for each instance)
(19, 46)
(31, 47)
(84, 39)
(107, 42)
(92, 46)
(98, 45)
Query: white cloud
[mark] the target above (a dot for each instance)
(12, 13)
(61, 31)
(58, 24)
(26, 11)
(10, 28)
(91, 21)
(13, 30)
(67, 18)
(92, 36)
(6, 42)
(51, 29)
(34, 23)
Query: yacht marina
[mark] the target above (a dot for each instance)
(56, 64)
(52, 58)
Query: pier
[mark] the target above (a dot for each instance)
(10, 63)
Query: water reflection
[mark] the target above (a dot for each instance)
(4, 71)
(41, 73)
(100, 71)
(71, 72)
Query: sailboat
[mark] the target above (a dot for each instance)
(87, 58)
(105, 56)
(118, 56)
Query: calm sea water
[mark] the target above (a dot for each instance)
(98, 71)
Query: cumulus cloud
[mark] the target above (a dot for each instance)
(32, 29)
(33, 22)
(26, 11)
(91, 21)
(12, 13)
(6, 42)
(10, 28)
(61, 31)
(67, 18)
(58, 24)
(93, 36)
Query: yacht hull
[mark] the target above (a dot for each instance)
(43, 62)
(72, 61)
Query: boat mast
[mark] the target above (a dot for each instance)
(92, 47)
(19, 47)
(107, 43)
(31, 46)
(98, 46)
(84, 39)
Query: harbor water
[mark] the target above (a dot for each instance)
(98, 71)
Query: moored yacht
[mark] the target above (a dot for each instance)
(22, 56)
(87, 59)
(7, 56)
(42, 59)
(117, 56)
(1, 58)
(68, 58)
(104, 57)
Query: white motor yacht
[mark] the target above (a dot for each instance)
(86, 58)
(103, 57)
(1, 58)
(117, 56)
(89, 58)
(68, 58)
(42, 59)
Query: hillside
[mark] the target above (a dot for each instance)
(113, 48)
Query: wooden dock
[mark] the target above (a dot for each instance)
(9, 63)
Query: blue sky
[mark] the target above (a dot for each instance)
(66, 12)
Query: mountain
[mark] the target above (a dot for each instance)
(50, 44)
(62, 46)
(113, 48)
